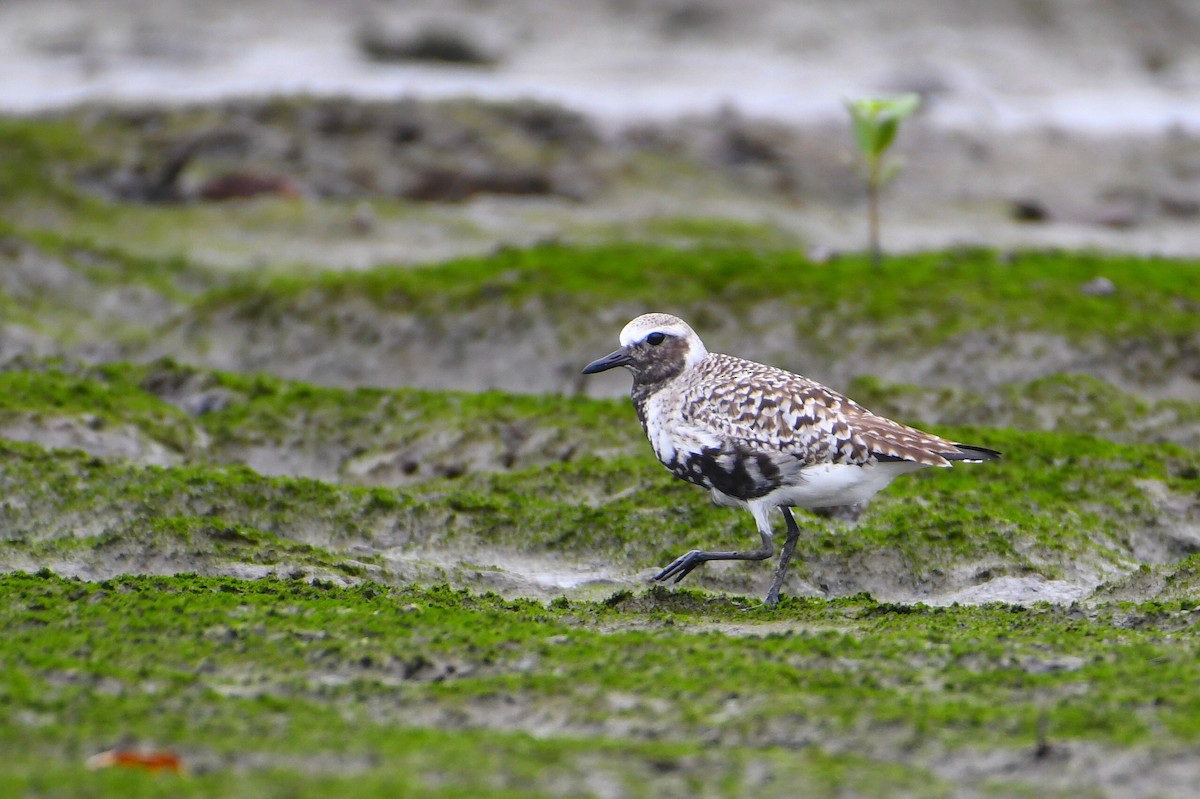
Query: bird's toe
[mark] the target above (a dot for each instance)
(681, 567)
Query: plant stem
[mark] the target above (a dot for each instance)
(873, 214)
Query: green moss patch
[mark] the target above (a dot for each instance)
(402, 324)
(208, 545)
(1073, 403)
(394, 436)
(398, 686)
(35, 156)
(1058, 506)
(365, 435)
(33, 398)
(1168, 582)
(930, 297)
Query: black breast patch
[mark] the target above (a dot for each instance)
(735, 472)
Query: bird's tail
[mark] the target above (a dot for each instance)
(970, 454)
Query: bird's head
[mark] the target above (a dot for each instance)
(655, 347)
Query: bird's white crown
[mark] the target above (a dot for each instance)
(641, 327)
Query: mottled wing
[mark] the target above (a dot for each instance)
(764, 409)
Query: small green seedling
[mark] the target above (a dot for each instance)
(876, 120)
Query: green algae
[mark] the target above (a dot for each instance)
(224, 669)
(431, 432)
(47, 394)
(1069, 403)
(408, 434)
(72, 494)
(923, 298)
(205, 544)
(237, 677)
(428, 764)
(1055, 501)
(396, 684)
(281, 410)
(1057, 504)
(35, 156)
(926, 297)
(689, 232)
(1167, 582)
(927, 304)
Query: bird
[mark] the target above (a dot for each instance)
(759, 437)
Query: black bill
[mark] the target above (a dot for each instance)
(610, 361)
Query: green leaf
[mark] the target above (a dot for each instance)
(864, 124)
(864, 135)
(877, 120)
(885, 133)
(902, 106)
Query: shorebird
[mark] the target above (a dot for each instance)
(759, 437)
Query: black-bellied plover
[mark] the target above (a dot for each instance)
(759, 437)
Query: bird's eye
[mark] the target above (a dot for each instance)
(656, 338)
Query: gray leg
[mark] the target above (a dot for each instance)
(684, 564)
(785, 557)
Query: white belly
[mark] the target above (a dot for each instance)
(829, 485)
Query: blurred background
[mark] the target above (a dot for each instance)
(1049, 122)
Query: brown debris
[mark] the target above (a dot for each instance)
(154, 760)
(245, 185)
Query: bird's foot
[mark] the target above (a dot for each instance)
(770, 601)
(764, 605)
(682, 566)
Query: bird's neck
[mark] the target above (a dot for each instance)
(645, 390)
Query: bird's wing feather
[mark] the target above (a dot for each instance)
(765, 409)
